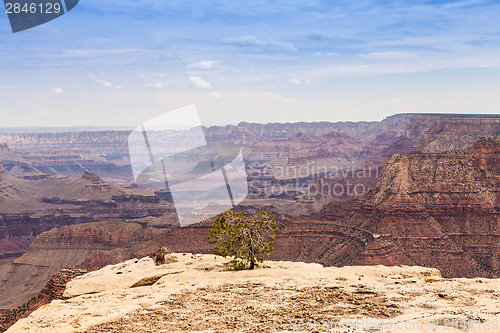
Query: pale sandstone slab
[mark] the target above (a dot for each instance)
(194, 288)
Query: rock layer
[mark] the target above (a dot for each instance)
(195, 293)
(437, 210)
(457, 132)
(30, 207)
(85, 245)
(53, 290)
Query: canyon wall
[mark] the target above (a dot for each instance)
(457, 132)
(87, 245)
(439, 210)
(30, 207)
(436, 210)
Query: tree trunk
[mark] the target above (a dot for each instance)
(252, 264)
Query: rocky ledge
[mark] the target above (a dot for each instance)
(197, 293)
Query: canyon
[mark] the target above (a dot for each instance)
(429, 197)
(436, 210)
(439, 210)
(283, 160)
(86, 245)
(29, 207)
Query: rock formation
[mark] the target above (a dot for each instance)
(53, 290)
(457, 132)
(284, 160)
(194, 293)
(437, 210)
(69, 153)
(87, 245)
(30, 207)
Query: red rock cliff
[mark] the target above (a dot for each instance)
(438, 210)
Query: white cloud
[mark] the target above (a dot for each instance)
(215, 95)
(57, 90)
(204, 65)
(326, 55)
(108, 84)
(254, 42)
(199, 82)
(105, 84)
(295, 81)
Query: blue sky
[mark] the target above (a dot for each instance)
(120, 63)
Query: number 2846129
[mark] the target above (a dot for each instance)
(32, 8)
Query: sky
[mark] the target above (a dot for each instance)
(123, 62)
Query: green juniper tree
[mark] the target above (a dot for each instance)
(243, 236)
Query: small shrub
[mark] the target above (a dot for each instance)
(243, 236)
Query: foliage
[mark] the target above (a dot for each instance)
(234, 265)
(243, 236)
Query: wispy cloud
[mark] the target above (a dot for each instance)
(199, 82)
(251, 41)
(204, 65)
(98, 52)
(295, 81)
(108, 84)
(105, 84)
(326, 55)
(57, 90)
(159, 85)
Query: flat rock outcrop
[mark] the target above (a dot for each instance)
(194, 293)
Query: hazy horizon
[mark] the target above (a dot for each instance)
(130, 128)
